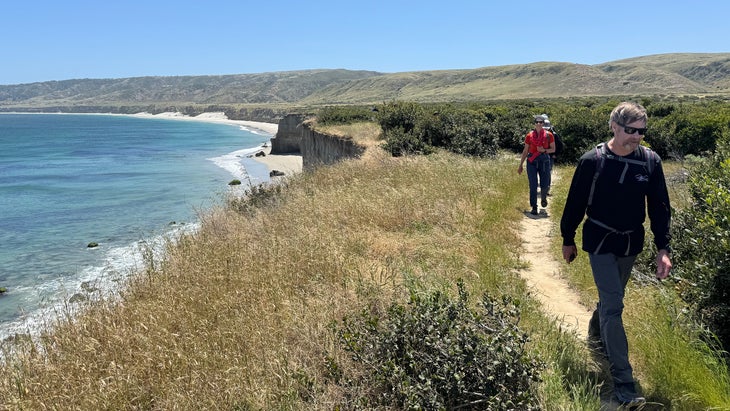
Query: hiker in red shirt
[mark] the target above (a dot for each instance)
(539, 144)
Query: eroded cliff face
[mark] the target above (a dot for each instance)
(316, 149)
(289, 136)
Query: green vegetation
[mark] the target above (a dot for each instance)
(703, 241)
(435, 353)
(676, 129)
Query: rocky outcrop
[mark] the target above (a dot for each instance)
(316, 149)
(288, 138)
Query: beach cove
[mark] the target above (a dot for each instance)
(76, 199)
(288, 164)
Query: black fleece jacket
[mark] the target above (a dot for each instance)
(616, 217)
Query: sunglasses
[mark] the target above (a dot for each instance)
(539, 122)
(632, 130)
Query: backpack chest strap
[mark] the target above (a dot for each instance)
(602, 154)
(626, 162)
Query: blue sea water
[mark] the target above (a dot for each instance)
(123, 182)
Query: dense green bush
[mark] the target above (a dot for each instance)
(681, 129)
(676, 129)
(435, 353)
(398, 143)
(510, 124)
(580, 128)
(345, 114)
(461, 130)
(403, 115)
(702, 242)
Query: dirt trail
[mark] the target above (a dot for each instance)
(543, 274)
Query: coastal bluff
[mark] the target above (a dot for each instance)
(295, 136)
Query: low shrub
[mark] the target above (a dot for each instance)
(437, 353)
(399, 142)
(254, 198)
(702, 242)
(344, 115)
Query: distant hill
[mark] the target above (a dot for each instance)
(667, 74)
(679, 74)
(263, 88)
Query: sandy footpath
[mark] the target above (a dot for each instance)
(543, 275)
(286, 163)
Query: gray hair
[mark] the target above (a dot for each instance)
(627, 113)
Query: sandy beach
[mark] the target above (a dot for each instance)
(288, 164)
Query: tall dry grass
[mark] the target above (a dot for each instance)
(238, 315)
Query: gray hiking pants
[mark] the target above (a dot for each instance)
(611, 274)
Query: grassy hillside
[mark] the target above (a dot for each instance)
(535, 80)
(269, 88)
(706, 70)
(657, 75)
(669, 74)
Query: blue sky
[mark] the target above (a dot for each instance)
(57, 40)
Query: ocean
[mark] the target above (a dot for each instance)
(125, 183)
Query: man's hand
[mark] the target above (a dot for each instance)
(569, 253)
(663, 264)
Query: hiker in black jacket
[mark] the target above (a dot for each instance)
(613, 187)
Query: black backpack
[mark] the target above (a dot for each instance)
(650, 158)
(559, 146)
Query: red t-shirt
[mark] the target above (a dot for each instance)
(540, 139)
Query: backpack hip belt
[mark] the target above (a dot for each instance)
(611, 230)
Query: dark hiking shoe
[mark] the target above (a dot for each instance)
(594, 334)
(534, 211)
(544, 202)
(626, 395)
(594, 326)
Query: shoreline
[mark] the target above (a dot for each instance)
(287, 163)
(252, 165)
(214, 117)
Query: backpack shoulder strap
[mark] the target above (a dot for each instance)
(600, 161)
(650, 157)
(648, 162)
